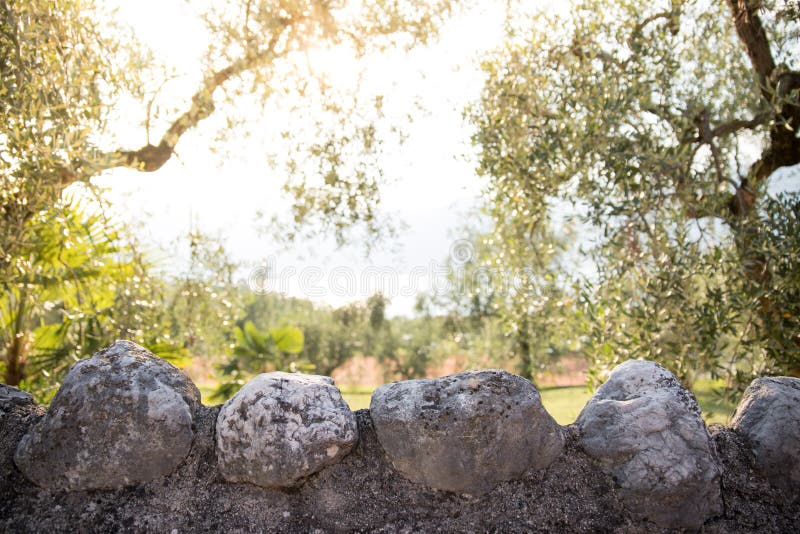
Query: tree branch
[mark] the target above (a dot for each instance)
(150, 158)
(741, 124)
(672, 22)
(585, 53)
(706, 134)
(751, 33)
(706, 137)
(784, 146)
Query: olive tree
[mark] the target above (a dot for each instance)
(663, 124)
(66, 66)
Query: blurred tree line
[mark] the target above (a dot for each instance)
(85, 281)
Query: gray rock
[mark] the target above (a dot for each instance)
(11, 396)
(647, 432)
(120, 418)
(363, 493)
(282, 427)
(465, 432)
(769, 417)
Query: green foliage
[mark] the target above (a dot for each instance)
(772, 310)
(71, 290)
(63, 272)
(695, 307)
(202, 301)
(65, 66)
(664, 305)
(259, 352)
(405, 347)
(80, 282)
(333, 152)
(508, 301)
(408, 347)
(331, 335)
(643, 116)
(62, 265)
(268, 54)
(62, 69)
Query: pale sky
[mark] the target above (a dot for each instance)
(437, 184)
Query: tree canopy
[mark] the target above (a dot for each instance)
(66, 70)
(67, 65)
(662, 124)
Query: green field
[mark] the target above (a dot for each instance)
(565, 403)
(715, 409)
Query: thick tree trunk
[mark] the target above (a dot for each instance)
(782, 149)
(776, 88)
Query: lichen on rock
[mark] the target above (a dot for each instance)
(120, 418)
(282, 427)
(466, 432)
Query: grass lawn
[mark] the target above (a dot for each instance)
(357, 397)
(715, 409)
(207, 389)
(565, 403)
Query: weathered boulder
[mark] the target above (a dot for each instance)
(647, 432)
(282, 427)
(465, 432)
(769, 417)
(120, 418)
(11, 396)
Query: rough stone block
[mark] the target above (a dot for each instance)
(120, 418)
(282, 427)
(769, 417)
(11, 396)
(465, 432)
(647, 432)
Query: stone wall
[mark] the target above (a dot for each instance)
(126, 445)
